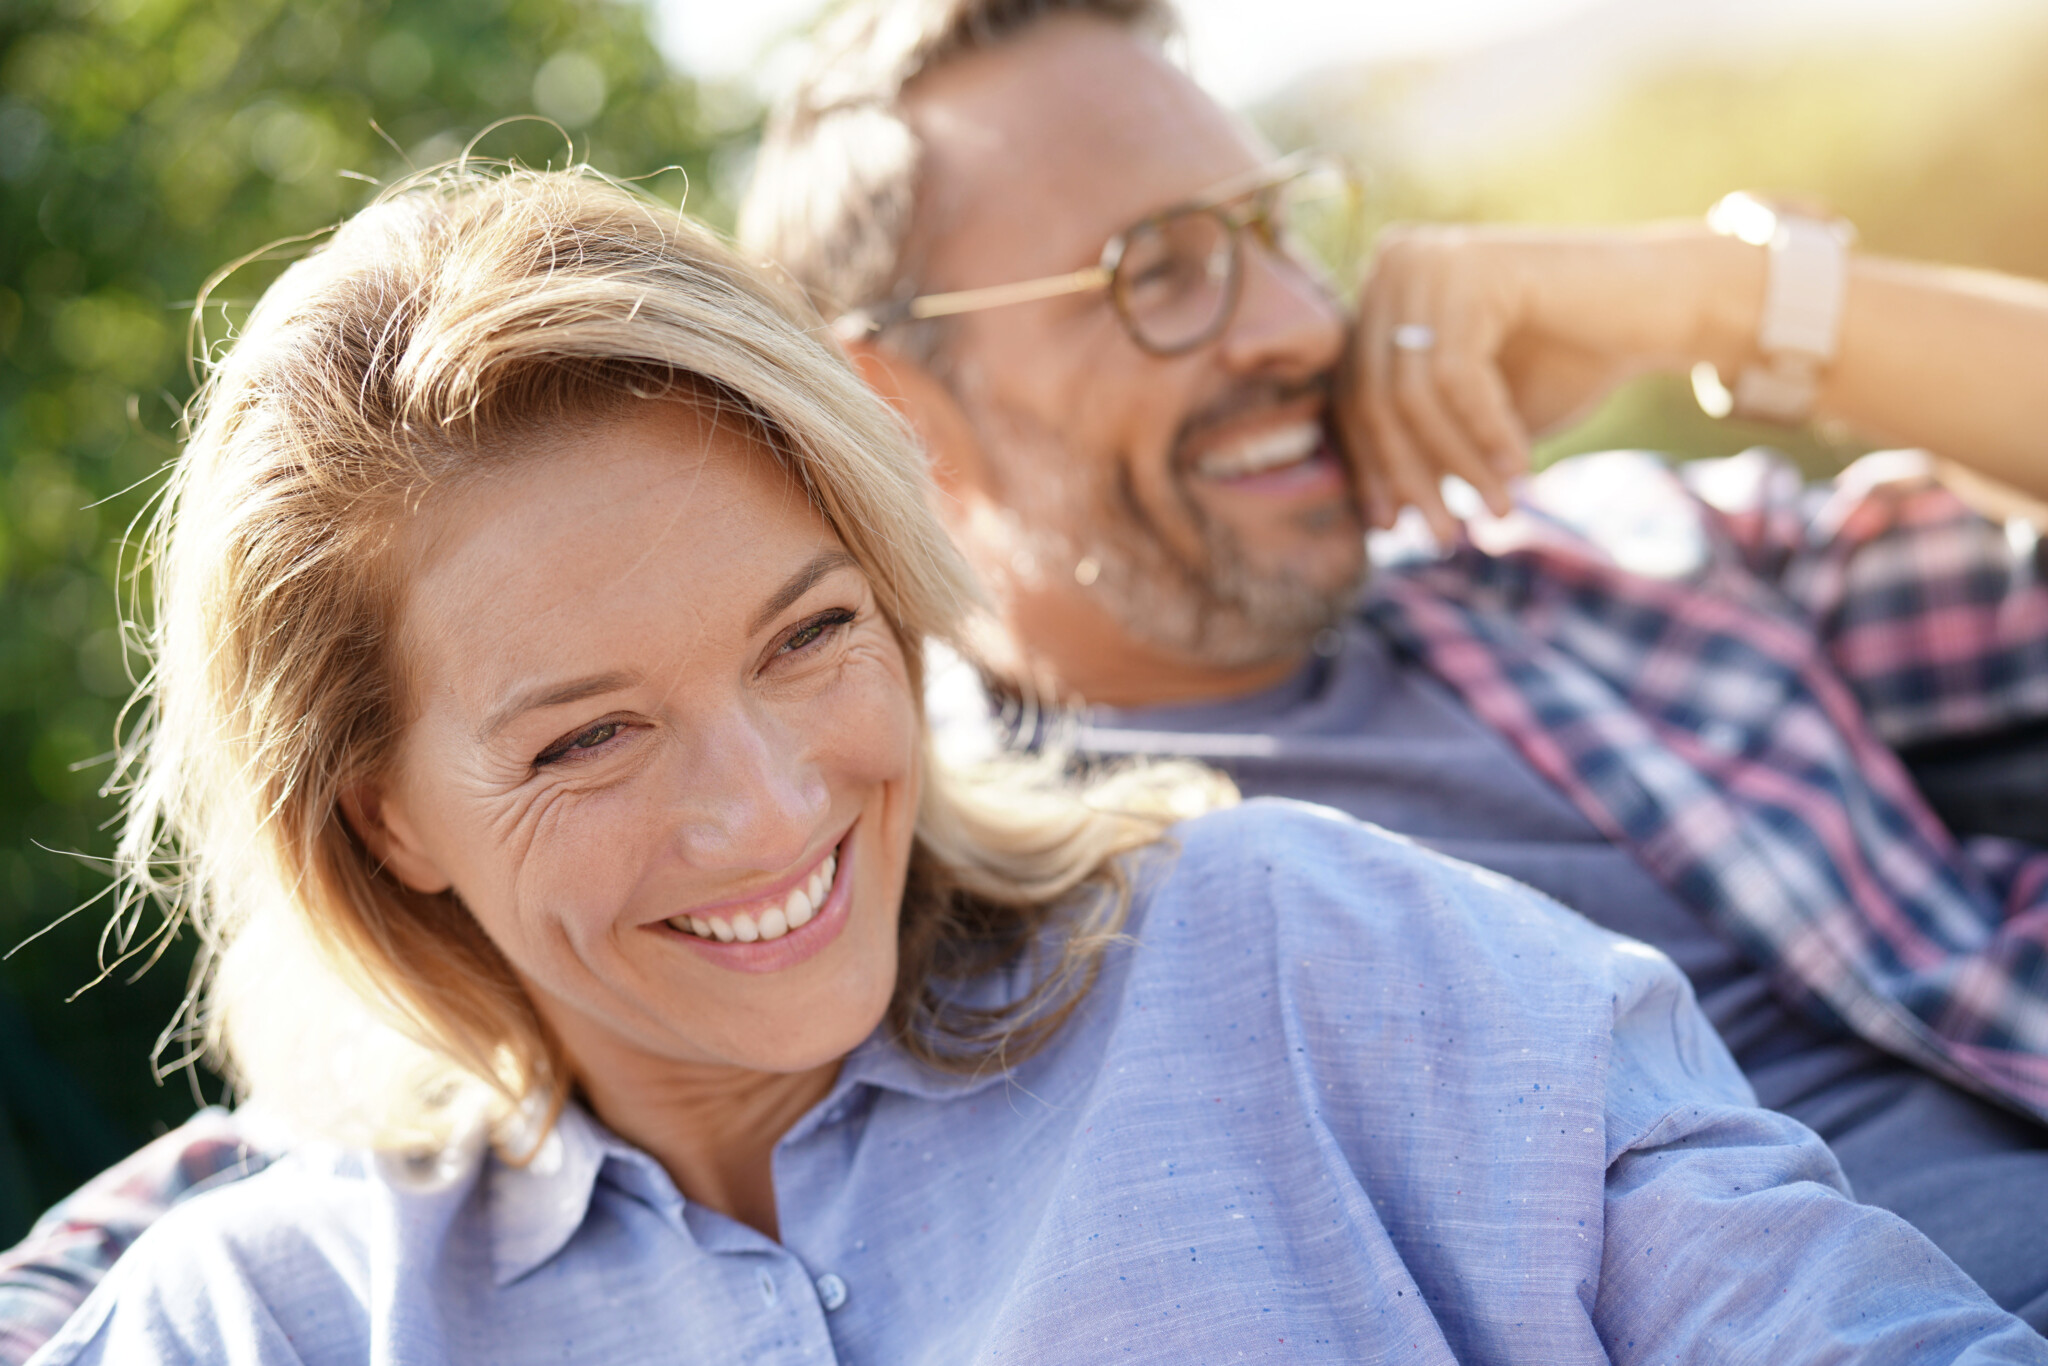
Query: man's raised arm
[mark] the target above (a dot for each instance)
(1470, 339)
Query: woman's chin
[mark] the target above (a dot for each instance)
(803, 1033)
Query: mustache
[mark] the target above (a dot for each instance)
(1251, 396)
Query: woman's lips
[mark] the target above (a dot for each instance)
(767, 919)
(773, 934)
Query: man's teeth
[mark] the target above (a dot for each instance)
(793, 913)
(1266, 451)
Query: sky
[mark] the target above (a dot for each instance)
(1239, 48)
(1245, 49)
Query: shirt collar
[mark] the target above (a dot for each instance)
(883, 1063)
(536, 1206)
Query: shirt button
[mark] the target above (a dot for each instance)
(831, 1291)
(767, 1287)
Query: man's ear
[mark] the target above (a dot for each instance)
(382, 824)
(928, 405)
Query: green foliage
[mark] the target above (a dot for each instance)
(143, 144)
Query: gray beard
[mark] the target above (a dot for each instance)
(1219, 608)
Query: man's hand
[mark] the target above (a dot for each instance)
(1470, 340)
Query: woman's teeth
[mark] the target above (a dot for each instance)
(1266, 451)
(794, 912)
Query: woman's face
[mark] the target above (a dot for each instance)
(664, 747)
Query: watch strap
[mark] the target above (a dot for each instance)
(1807, 279)
(1805, 285)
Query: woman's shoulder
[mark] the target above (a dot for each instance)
(1253, 833)
(1317, 884)
(1319, 856)
(270, 1267)
(1343, 945)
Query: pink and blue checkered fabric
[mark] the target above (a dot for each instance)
(49, 1274)
(1716, 665)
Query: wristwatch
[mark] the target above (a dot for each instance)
(1806, 275)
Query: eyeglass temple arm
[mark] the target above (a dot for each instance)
(861, 322)
(996, 296)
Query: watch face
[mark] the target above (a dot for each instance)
(1746, 218)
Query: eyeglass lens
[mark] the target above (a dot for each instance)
(1177, 280)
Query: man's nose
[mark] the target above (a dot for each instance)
(752, 796)
(1287, 322)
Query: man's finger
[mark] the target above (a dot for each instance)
(1443, 441)
(1431, 337)
(1366, 379)
(1466, 368)
(1414, 479)
(1375, 500)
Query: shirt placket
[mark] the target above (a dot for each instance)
(767, 1305)
(811, 1159)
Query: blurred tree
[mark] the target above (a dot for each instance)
(143, 143)
(1937, 150)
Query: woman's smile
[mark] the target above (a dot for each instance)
(778, 927)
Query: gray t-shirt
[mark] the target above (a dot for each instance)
(1373, 735)
(1368, 731)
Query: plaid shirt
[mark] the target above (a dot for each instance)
(49, 1274)
(1715, 666)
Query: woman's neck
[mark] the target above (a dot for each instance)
(713, 1128)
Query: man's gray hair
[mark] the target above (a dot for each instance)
(836, 186)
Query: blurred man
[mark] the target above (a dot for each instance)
(1162, 440)
(1069, 268)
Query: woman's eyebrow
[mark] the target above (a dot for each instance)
(550, 695)
(798, 584)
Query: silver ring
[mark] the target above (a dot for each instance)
(1413, 337)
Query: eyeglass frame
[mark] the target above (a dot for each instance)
(1102, 275)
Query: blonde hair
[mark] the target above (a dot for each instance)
(464, 305)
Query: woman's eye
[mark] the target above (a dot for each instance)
(589, 739)
(813, 631)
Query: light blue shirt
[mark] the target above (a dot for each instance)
(1339, 1099)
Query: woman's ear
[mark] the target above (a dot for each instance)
(928, 405)
(381, 823)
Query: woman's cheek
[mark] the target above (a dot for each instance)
(870, 716)
(582, 855)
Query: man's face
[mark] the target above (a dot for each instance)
(1192, 509)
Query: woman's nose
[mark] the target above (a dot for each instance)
(752, 796)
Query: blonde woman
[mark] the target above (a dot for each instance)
(537, 738)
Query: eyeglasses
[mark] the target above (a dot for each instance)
(1174, 277)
